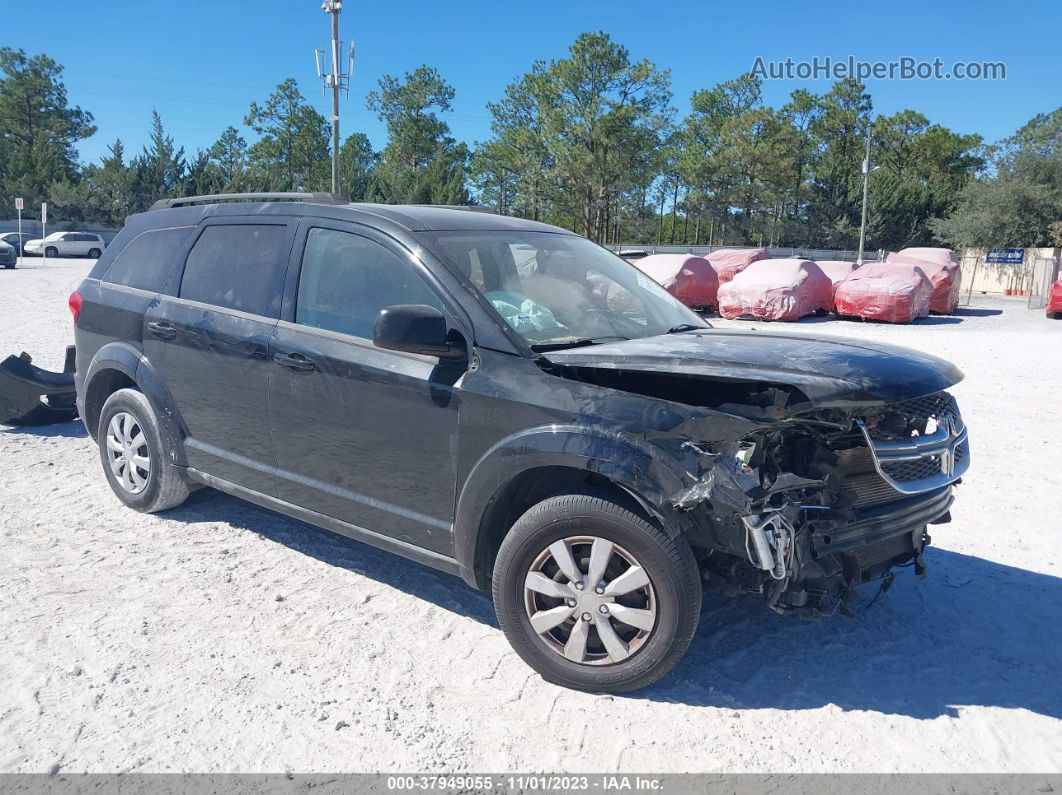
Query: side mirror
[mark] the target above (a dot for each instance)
(414, 328)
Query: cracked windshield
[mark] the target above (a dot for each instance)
(560, 291)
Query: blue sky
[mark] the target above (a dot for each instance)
(201, 63)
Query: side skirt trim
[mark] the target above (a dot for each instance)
(386, 543)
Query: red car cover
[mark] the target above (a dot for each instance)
(893, 292)
(836, 269)
(777, 289)
(942, 267)
(690, 279)
(1054, 301)
(730, 261)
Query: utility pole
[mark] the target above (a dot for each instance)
(336, 80)
(866, 182)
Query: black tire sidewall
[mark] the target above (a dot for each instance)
(51, 252)
(677, 612)
(134, 403)
(97, 255)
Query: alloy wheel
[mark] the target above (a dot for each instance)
(590, 600)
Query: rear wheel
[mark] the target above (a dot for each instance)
(135, 460)
(94, 253)
(593, 596)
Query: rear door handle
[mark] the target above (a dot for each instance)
(164, 331)
(296, 361)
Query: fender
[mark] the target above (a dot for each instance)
(128, 359)
(635, 465)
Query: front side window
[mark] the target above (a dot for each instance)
(146, 261)
(557, 290)
(236, 266)
(346, 279)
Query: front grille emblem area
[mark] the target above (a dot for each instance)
(925, 462)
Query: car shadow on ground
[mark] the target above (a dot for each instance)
(441, 589)
(973, 633)
(74, 429)
(968, 311)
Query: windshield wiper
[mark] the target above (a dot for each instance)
(681, 327)
(576, 343)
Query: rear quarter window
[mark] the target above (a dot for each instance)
(146, 261)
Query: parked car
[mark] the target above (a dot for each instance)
(17, 241)
(941, 267)
(692, 280)
(1054, 300)
(8, 256)
(728, 262)
(387, 373)
(836, 269)
(68, 244)
(777, 289)
(892, 292)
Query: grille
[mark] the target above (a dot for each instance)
(906, 471)
(937, 405)
(934, 455)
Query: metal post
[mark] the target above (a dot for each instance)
(334, 11)
(866, 182)
(21, 242)
(44, 233)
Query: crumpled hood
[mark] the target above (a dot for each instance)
(827, 370)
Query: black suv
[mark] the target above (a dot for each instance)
(506, 401)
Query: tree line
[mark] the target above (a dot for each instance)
(590, 142)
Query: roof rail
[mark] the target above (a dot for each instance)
(215, 198)
(475, 208)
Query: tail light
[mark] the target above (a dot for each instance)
(75, 303)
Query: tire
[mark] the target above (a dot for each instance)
(673, 594)
(94, 253)
(52, 252)
(162, 486)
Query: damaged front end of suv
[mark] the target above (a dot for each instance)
(828, 469)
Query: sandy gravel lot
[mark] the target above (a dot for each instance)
(221, 637)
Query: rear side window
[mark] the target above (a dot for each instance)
(346, 279)
(146, 261)
(236, 267)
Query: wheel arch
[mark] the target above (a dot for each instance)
(533, 466)
(120, 365)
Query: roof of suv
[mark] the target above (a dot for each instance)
(411, 217)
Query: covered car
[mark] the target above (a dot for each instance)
(730, 261)
(690, 279)
(836, 269)
(895, 292)
(942, 267)
(777, 289)
(1054, 300)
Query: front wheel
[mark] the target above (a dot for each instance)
(51, 251)
(593, 596)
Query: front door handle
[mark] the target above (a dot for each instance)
(296, 361)
(164, 331)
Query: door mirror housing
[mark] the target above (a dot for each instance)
(414, 328)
